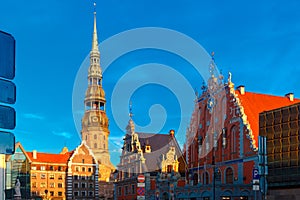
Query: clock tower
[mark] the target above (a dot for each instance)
(95, 122)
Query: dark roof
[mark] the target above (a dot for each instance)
(160, 144)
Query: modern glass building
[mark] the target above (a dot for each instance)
(17, 167)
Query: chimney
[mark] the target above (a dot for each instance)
(290, 96)
(241, 89)
(34, 154)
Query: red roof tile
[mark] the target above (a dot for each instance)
(50, 158)
(254, 104)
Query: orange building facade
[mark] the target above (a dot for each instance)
(68, 175)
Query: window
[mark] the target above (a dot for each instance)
(225, 198)
(33, 168)
(75, 177)
(59, 177)
(76, 194)
(218, 175)
(34, 193)
(60, 168)
(233, 143)
(75, 185)
(83, 178)
(83, 185)
(90, 169)
(59, 194)
(82, 160)
(103, 146)
(229, 176)
(51, 176)
(195, 179)
(95, 136)
(126, 190)
(169, 168)
(43, 185)
(52, 185)
(33, 175)
(132, 171)
(77, 169)
(125, 174)
(119, 191)
(83, 169)
(83, 193)
(91, 185)
(43, 176)
(43, 168)
(34, 184)
(59, 185)
(133, 189)
(91, 194)
(205, 178)
(51, 168)
(95, 145)
(51, 193)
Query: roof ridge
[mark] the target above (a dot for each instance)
(271, 95)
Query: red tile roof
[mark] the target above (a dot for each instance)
(50, 158)
(254, 104)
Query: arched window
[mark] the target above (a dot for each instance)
(229, 176)
(95, 145)
(195, 179)
(169, 168)
(205, 178)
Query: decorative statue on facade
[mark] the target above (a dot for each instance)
(17, 188)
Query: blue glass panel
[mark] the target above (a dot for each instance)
(7, 117)
(7, 143)
(7, 92)
(7, 55)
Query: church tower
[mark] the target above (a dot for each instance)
(95, 122)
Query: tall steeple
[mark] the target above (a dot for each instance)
(95, 122)
(95, 37)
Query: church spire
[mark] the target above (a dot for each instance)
(95, 122)
(95, 37)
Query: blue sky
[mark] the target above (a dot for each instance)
(257, 41)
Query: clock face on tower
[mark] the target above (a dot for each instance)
(95, 119)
